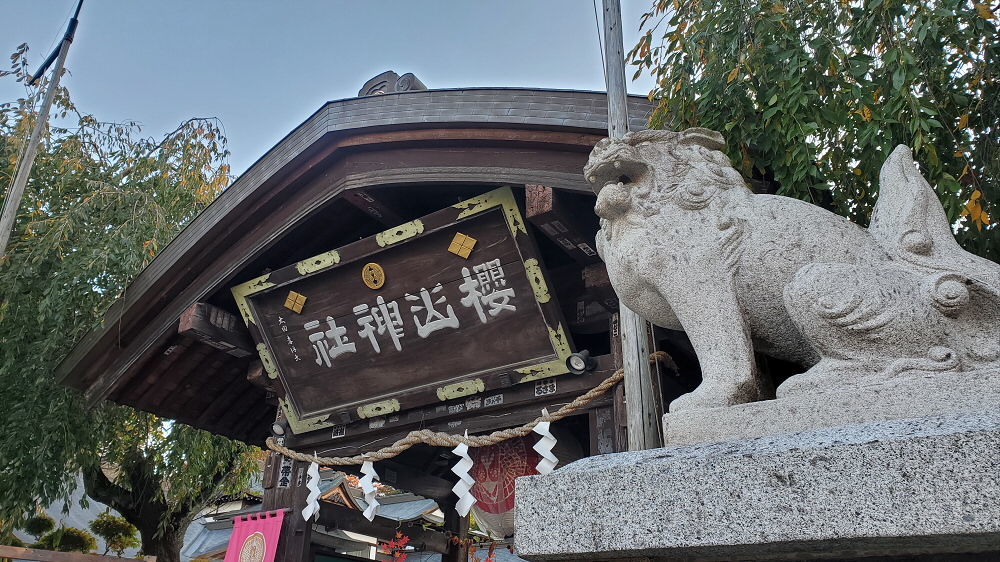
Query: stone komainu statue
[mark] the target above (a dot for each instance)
(689, 246)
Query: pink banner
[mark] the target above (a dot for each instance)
(255, 537)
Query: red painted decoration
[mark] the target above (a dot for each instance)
(495, 469)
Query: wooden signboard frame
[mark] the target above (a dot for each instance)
(496, 215)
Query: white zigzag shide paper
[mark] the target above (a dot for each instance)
(544, 447)
(312, 500)
(463, 488)
(368, 487)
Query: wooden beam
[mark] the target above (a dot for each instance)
(581, 310)
(510, 417)
(548, 210)
(241, 407)
(257, 377)
(476, 413)
(162, 390)
(34, 554)
(155, 366)
(403, 477)
(598, 286)
(188, 388)
(366, 202)
(217, 328)
(333, 516)
(229, 405)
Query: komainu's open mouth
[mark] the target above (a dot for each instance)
(616, 165)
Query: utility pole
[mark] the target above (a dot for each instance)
(643, 421)
(13, 201)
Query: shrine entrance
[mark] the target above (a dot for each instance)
(412, 261)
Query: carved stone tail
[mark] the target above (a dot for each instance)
(910, 223)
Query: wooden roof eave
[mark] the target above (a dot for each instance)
(98, 361)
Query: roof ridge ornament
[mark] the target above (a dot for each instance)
(389, 82)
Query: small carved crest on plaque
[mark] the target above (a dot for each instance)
(462, 245)
(295, 302)
(373, 275)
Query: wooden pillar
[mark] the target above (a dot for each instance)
(458, 526)
(602, 430)
(285, 488)
(618, 407)
(296, 533)
(643, 423)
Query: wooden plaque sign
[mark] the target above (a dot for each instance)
(449, 305)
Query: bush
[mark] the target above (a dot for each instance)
(38, 524)
(68, 539)
(119, 535)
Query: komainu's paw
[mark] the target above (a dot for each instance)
(716, 395)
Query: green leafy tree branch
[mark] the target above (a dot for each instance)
(101, 202)
(813, 96)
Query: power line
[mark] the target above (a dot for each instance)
(600, 44)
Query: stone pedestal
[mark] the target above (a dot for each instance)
(930, 395)
(914, 487)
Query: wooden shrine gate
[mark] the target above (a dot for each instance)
(412, 260)
(447, 322)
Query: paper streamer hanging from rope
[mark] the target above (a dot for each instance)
(463, 488)
(367, 483)
(544, 446)
(311, 510)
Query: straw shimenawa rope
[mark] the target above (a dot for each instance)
(439, 439)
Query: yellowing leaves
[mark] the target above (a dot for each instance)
(747, 161)
(866, 113)
(984, 11)
(963, 121)
(974, 210)
(732, 75)
(151, 247)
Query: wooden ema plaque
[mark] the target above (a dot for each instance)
(449, 305)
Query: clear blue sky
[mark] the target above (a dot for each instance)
(263, 66)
